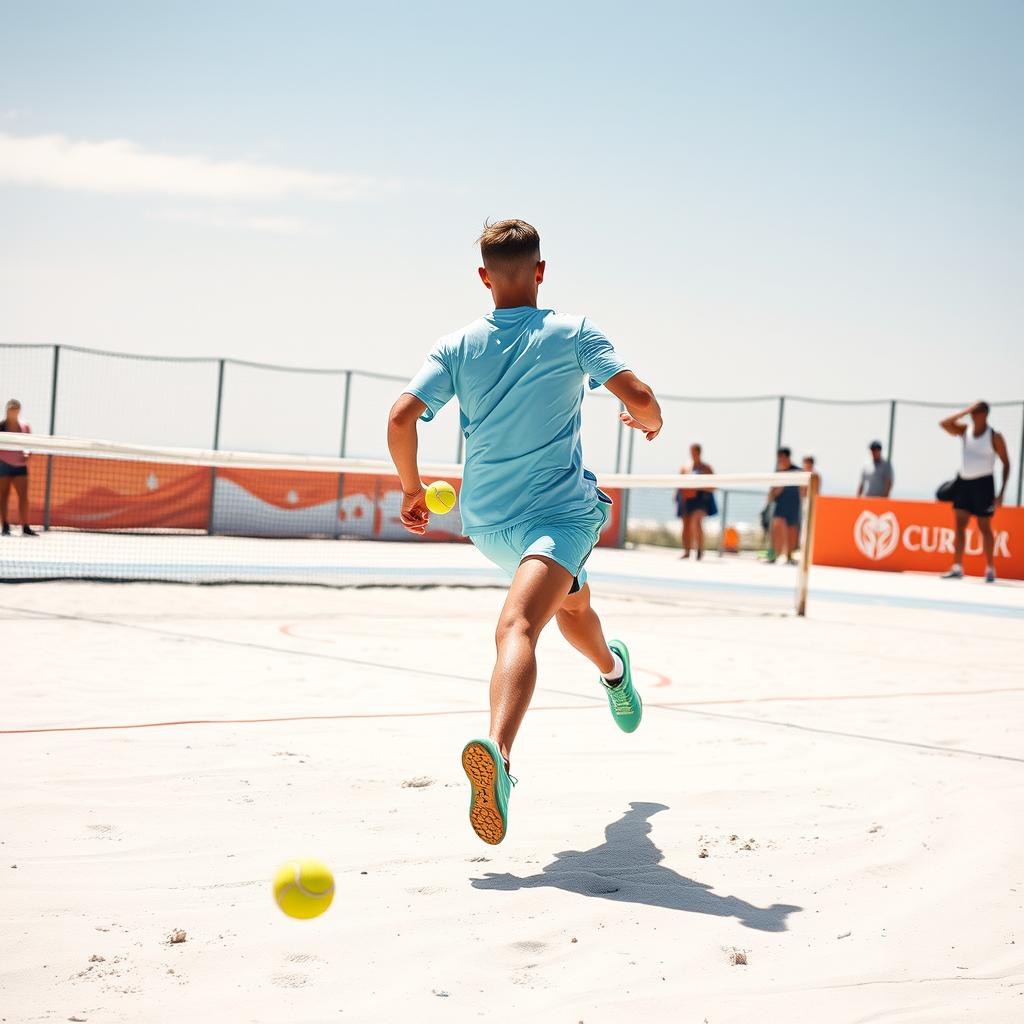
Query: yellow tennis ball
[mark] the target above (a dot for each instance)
(303, 888)
(440, 497)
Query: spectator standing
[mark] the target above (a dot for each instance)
(975, 490)
(786, 514)
(876, 478)
(692, 505)
(808, 464)
(14, 471)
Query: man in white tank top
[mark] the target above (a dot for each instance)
(976, 483)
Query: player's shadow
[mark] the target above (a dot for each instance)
(627, 868)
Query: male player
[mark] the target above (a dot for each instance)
(527, 501)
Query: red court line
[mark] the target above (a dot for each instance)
(287, 628)
(288, 718)
(483, 711)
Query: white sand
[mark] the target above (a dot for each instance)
(871, 878)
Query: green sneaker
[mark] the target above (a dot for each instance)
(488, 803)
(625, 703)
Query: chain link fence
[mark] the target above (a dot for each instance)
(232, 404)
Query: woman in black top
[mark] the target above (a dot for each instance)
(693, 506)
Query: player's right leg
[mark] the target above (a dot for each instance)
(538, 588)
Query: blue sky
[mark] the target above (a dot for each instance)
(820, 198)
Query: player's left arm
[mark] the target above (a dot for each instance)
(403, 443)
(999, 444)
(643, 412)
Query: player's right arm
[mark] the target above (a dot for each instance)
(403, 443)
(952, 424)
(427, 394)
(642, 409)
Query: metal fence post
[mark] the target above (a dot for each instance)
(618, 447)
(724, 525)
(53, 430)
(341, 450)
(216, 442)
(892, 428)
(458, 449)
(344, 415)
(1020, 461)
(778, 431)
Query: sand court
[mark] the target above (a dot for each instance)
(819, 819)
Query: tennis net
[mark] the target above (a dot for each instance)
(121, 512)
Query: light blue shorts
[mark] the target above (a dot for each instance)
(567, 540)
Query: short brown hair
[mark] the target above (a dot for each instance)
(508, 242)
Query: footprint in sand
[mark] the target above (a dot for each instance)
(530, 946)
(290, 980)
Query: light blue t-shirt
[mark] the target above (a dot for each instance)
(519, 377)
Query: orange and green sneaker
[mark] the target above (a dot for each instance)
(488, 802)
(623, 700)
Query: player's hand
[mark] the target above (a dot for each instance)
(415, 514)
(650, 432)
(999, 501)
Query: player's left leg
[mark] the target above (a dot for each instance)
(581, 626)
(697, 532)
(21, 490)
(988, 543)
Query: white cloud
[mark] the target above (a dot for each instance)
(272, 224)
(120, 167)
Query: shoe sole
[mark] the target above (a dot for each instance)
(482, 772)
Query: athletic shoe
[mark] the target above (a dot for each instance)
(488, 802)
(990, 575)
(791, 561)
(626, 706)
(27, 531)
(5, 531)
(956, 573)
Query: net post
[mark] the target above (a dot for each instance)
(53, 430)
(216, 443)
(624, 518)
(778, 428)
(618, 446)
(807, 548)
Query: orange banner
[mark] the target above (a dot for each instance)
(911, 536)
(115, 494)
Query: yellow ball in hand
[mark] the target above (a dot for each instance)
(304, 888)
(440, 497)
